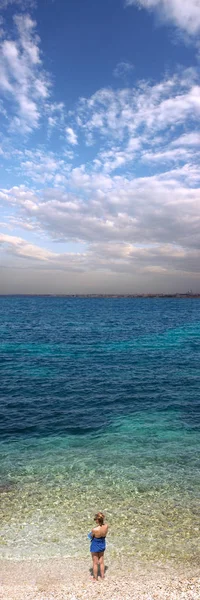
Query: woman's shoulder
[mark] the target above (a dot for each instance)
(104, 528)
(94, 529)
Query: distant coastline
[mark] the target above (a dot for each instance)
(186, 295)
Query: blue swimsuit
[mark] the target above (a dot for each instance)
(98, 544)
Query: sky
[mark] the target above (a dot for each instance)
(99, 146)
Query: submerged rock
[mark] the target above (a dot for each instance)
(6, 487)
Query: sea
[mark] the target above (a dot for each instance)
(100, 410)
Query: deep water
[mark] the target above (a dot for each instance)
(100, 409)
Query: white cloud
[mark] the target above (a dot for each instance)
(167, 156)
(22, 4)
(23, 81)
(128, 227)
(100, 208)
(187, 139)
(115, 257)
(142, 123)
(55, 112)
(45, 167)
(71, 136)
(115, 157)
(122, 113)
(21, 249)
(24, 249)
(184, 14)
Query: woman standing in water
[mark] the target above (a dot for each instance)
(98, 545)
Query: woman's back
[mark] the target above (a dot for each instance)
(100, 531)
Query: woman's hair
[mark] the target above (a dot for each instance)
(100, 518)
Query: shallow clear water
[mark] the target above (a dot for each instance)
(100, 410)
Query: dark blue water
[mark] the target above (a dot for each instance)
(100, 408)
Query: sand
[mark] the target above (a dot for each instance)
(65, 579)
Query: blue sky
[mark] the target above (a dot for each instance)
(99, 146)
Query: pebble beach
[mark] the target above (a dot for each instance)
(66, 580)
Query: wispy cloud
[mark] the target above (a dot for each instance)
(44, 167)
(23, 82)
(184, 14)
(188, 139)
(22, 4)
(155, 106)
(130, 121)
(123, 69)
(169, 155)
(22, 248)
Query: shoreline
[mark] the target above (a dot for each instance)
(70, 579)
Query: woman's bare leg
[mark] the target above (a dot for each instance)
(101, 563)
(95, 561)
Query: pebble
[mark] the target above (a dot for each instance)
(120, 584)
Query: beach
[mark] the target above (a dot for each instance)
(70, 580)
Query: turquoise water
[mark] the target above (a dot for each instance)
(100, 410)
